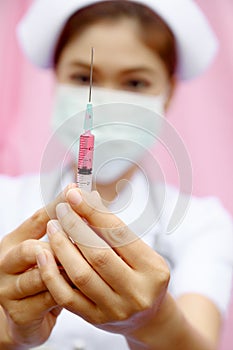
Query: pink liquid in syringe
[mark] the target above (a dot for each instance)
(85, 161)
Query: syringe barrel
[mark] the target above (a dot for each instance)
(84, 182)
(85, 161)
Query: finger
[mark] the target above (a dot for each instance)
(22, 312)
(22, 256)
(90, 207)
(56, 311)
(101, 257)
(24, 285)
(32, 228)
(83, 276)
(51, 207)
(63, 294)
(110, 227)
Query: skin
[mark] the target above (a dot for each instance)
(146, 315)
(28, 311)
(121, 62)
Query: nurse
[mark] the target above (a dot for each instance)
(112, 289)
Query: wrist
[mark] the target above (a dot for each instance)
(160, 329)
(168, 329)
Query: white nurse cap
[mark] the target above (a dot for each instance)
(42, 25)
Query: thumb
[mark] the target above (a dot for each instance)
(35, 226)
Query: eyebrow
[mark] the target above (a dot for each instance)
(136, 69)
(80, 64)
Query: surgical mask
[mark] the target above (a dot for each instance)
(125, 125)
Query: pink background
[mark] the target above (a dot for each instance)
(202, 111)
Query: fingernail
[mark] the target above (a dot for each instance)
(74, 197)
(62, 209)
(53, 226)
(68, 188)
(40, 257)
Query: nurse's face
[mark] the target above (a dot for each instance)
(121, 60)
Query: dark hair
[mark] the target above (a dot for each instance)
(154, 32)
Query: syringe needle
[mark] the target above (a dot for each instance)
(89, 113)
(91, 73)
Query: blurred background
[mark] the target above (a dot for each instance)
(202, 111)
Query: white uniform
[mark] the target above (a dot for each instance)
(199, 252)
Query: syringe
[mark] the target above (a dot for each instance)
(86, 143)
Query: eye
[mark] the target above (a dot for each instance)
(81, 79)
(136, 84)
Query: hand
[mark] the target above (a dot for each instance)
(121, 282)
(28, 311)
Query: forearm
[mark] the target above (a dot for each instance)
(170, 329)
(6, 343)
